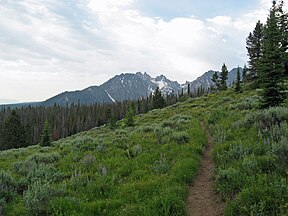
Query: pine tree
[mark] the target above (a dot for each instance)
(254, 47)
(13, 132)
(158, 100)
(216, 81)
(129, 117)
(111, 118)
(238, 81)
(283, 24)
(223, 77)
(271, 67)
(46, 135)
(244, 74)
(188, 90)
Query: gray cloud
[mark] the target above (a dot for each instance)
(47, 47)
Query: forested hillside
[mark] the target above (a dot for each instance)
(28, 122)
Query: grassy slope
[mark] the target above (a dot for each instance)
(145, 170)
(251, 155)
(142, 170)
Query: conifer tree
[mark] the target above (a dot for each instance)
(238, 81)
(158, 99)
(129, 118)
(216, 81)
(283, 25)
(271, 67)
(111, 118)
(13, 132)
(188, 90)
(46, 135)
(244, 73)
(255, 49)
(223, 77)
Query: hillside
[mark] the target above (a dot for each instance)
(145, 170)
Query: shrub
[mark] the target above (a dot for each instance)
(121, 143)
(88, 161)
(182, 117)
(181, 137)
(229, 181)
(265, 119)
(135, 151)
(161, 166)
(79, 141)
(45, 158)
(24, 167)
(219, 135)
(33, 161)
(268, 196)
(281, 151)
(7, 186)
(215, 116)
(44, 173)
(247, 104)
(37, 197)
(168, 123)
(147, 128)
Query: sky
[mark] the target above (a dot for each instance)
(51, 46)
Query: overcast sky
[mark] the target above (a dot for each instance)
(50, 46)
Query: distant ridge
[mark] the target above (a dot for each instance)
(128, 86)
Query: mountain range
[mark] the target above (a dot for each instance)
(128, 86)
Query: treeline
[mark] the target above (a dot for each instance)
(21, 127)
(267, 48)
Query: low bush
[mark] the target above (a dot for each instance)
(161, 166)
(8, 186)
(181, 137)
(267, 196)
(247, 104)
(215, 116)
(265, 119)
(229, 182)
(37, 197)
(88, 161)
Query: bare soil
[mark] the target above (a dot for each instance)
(202, 200)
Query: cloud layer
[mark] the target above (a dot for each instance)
(51, 46)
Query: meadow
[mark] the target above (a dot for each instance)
(140, 170)
(147, 169)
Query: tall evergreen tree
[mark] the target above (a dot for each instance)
(158, 99)
(238, 81)
(216, 81)
(255, 49)
(129, 118)
(283, 24)
(271, 67)
(111, 118)
(188, 90)
(223, 77)
(46, 135)
(13, 132)
(244, 74)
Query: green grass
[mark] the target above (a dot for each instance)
(250, 154)
(146, 169)
(141, 170)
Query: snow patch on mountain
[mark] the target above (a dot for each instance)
(110, 97)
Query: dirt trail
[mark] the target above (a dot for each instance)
(202, 201)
